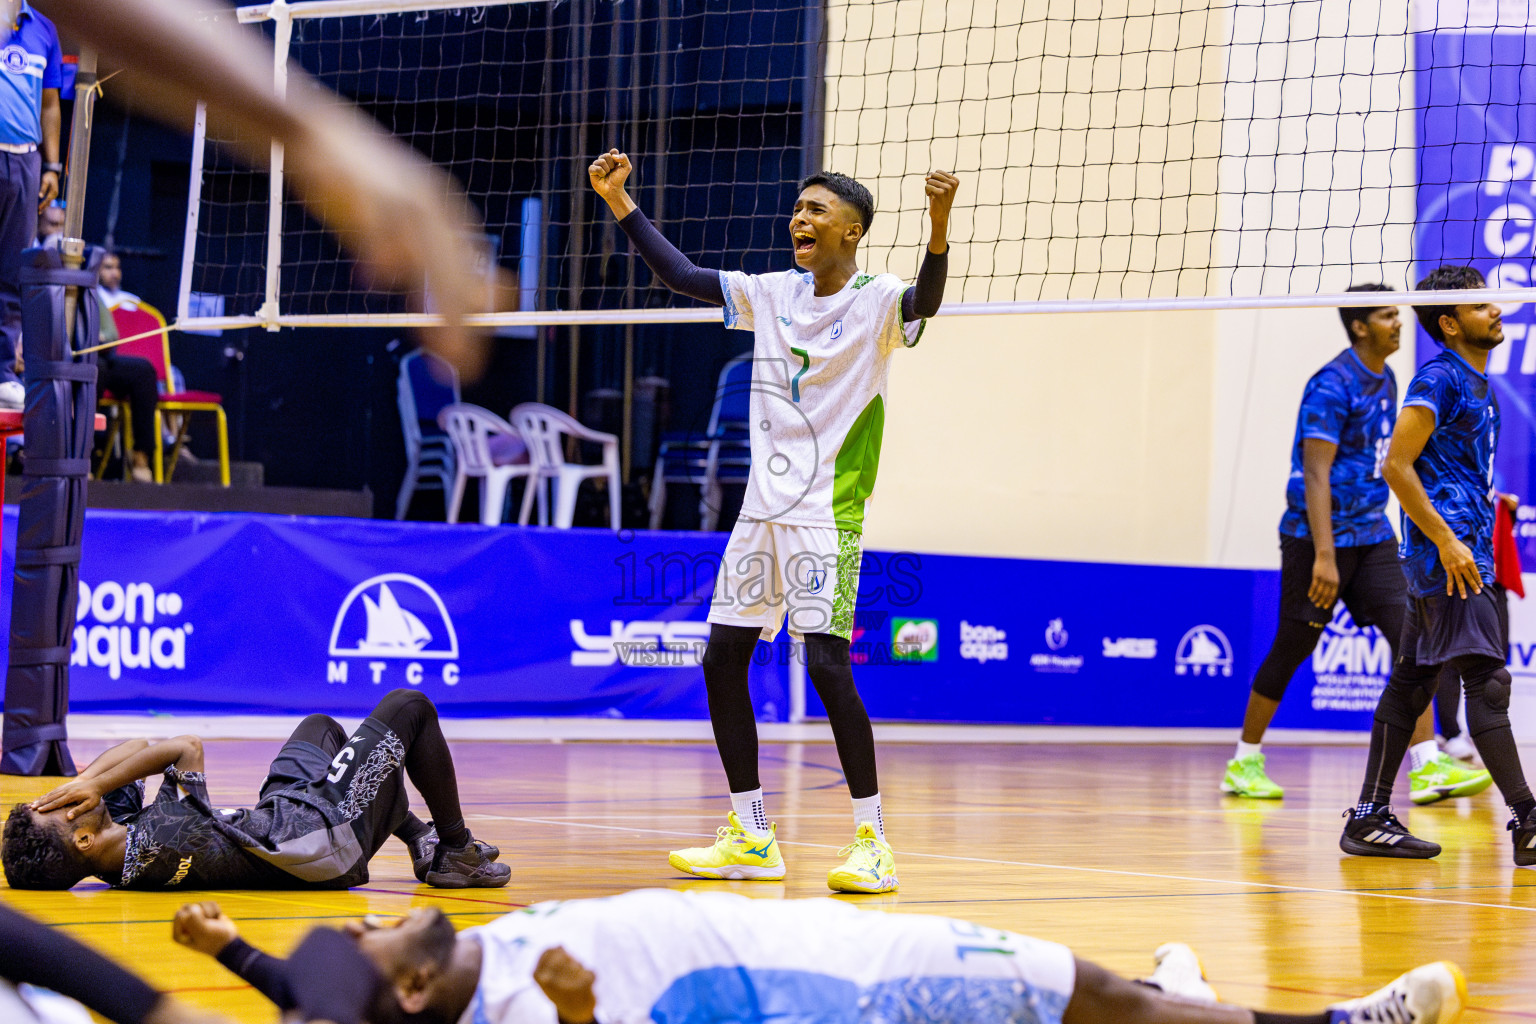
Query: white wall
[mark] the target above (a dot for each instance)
(1079, 437)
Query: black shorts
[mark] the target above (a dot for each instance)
(359, 793)
(1370, 580)
(1442, 627)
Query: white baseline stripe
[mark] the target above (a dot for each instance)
(1053, 867)
(263, 727)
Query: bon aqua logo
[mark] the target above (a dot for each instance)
(128, 625)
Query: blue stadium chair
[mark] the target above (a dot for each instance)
(426, 387)
(722, 455)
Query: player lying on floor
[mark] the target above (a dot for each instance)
(661, 955)
(325, 808)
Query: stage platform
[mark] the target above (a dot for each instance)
(210, 497)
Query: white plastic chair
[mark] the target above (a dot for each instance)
(484, 446)
(543, 427)
(421, 395)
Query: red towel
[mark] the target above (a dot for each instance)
(1506, 554)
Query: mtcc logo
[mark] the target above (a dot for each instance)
(390, 619)
(1204, 650)
(124, 626)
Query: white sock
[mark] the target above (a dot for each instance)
(868, 809)
(1246, 750)
(749, 811)
(1421, 754)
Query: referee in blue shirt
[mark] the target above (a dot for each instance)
(30, 75)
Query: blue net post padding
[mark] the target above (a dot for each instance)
(59, 422)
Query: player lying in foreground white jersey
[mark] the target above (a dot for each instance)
(710, 958)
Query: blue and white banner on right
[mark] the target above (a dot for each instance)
(1475, 93)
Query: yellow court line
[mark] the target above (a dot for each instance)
(1120, 872)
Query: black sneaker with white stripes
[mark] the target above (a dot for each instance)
(1380, 834)
(1525, 839)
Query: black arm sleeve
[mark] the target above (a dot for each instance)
(674, 270)
(326, 978)
(35, 954)
(264, 973)
(923, 299)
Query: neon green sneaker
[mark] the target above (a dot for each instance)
(870, 867)
(1443, 777)
(737, 853)
(1245, 777)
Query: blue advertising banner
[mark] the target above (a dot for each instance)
(1012, 640)
(247, 614)
(250, 614)
(1476, 94)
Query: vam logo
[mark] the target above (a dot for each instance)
(1351, 665)
(837, 330)
(391, 618)
(640, 644)
(915, 639)
(123, 626)
(1204, 650)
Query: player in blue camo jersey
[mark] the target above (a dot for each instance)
(1336, 544)
(1440, 466)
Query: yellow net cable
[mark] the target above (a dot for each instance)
(123, 341)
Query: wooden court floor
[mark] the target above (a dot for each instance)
(1109, 849)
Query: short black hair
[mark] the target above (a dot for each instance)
(1353, 314)
(846, 189)
(1443, 279)
(38, 855)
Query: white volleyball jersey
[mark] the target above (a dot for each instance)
(819, 373)
(665, 957)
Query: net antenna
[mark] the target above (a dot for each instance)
(1112, 157)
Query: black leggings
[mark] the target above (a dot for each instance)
(1447, 703)
(413, 718)
(134, 379)
(1409, 692)
(1295, 640)
(726, 661)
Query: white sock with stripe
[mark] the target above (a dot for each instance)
(868, 809)
(1421, 754)
(1246, 750)
(749, 811)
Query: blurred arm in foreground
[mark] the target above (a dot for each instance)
(400, 215)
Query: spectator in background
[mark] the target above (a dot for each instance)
(134, 379)
(30, 76)
(126, 377)
(50, 222)
(110, 283)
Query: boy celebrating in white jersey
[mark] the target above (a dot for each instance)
(823, 335)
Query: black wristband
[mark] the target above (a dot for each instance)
(55, 168)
